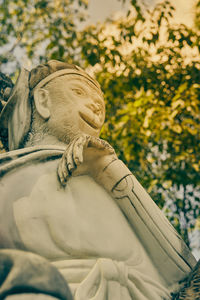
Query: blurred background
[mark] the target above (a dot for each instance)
(145, 55)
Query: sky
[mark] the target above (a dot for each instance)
(100, 9)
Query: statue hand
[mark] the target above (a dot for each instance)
(85, 155)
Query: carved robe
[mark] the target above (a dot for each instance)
(109, 242)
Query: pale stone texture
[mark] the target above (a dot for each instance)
(30, 296)
(76, 204)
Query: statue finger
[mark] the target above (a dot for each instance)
(65, 171)
(78, 150)
(69, 158)
(61, 172)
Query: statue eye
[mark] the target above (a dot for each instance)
(78, 91)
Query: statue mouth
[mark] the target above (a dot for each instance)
(91, 119)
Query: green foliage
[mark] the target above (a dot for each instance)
(41, 29)
(148, 68)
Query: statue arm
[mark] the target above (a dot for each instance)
(95, 157)
(160, 239)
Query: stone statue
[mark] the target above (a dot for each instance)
(67, 197)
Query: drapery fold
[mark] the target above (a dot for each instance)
(105, 278)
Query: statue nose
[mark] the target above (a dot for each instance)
(95, 107)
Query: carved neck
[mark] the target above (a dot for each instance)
(36, 138)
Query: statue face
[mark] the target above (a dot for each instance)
(77, 106)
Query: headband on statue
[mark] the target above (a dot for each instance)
(77, 71)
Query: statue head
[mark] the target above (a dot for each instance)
(55, 100)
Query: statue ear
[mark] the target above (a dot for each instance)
(42, 102)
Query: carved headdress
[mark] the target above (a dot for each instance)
(15, 118)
